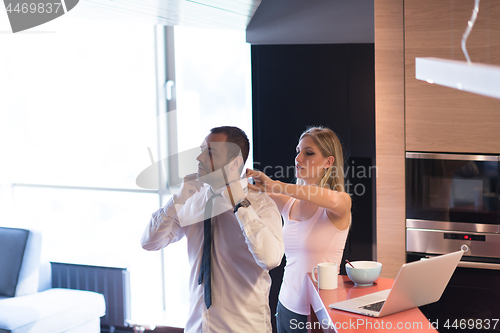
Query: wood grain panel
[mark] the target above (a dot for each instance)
(441, 119)
(389, 124)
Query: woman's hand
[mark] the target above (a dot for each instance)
(262, 182)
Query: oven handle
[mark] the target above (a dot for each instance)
(483, 265)
(432, 156)
(473, 264)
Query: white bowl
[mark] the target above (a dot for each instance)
(364, 273)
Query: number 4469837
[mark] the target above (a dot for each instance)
(41, 7)
(484, 324)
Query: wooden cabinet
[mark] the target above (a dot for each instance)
(441, 119)
(390, 129)
(412, 115)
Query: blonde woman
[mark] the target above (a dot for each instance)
(317, 216)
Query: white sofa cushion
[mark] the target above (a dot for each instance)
(54, 310)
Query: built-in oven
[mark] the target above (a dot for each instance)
(452, 203)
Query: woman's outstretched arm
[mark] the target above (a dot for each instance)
(337, 203)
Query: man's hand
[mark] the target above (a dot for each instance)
(190, 186)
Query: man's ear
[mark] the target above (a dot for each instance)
(236, 163)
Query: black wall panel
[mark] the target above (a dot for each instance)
(295, 86)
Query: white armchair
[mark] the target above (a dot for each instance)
(28, 304)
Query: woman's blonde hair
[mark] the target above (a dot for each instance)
(329, 145)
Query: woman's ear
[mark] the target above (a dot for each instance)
(329, 162)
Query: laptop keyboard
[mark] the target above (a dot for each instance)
(374, 306)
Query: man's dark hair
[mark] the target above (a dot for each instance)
(236, 136)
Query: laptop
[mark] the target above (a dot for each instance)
(418, 283)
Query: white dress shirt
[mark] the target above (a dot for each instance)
(245, 246)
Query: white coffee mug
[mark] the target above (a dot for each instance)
(327, 275)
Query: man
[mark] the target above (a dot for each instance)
(232, 248)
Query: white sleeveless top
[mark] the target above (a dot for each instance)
(307, 244)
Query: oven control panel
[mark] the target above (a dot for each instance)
(474, 244)
(468, 237)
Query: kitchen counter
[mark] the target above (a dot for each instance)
(324, 319)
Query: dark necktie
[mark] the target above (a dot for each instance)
(205, 269)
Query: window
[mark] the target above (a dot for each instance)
(78, 111)
(213, 83)
(212, 88)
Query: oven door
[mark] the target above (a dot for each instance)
(452, 192)
(471, 299)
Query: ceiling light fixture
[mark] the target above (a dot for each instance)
(476, 78)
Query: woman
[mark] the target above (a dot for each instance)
(317, 217)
